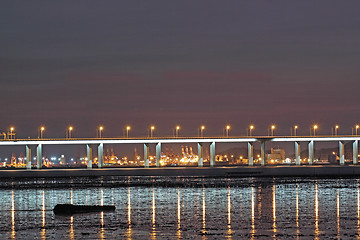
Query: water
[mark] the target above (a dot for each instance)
(183, 208)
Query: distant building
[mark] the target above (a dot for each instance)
(276, 154)
(333, 158)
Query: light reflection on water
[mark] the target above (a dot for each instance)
(358, 209)
(252, 232)
(178, 215)
(297, 212)
(316, 211)
(251, 209)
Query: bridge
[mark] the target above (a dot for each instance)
(99, 143)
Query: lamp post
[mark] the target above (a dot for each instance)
(356, 129)
(315, 127)
(227, 129)
(336, 130)
(128, 128)
(202, 128)
(11, 133)
(101, 128)
(250, 129)
(42, 129)
(272, 130)
(152, 128)
(70, 130)
(295, 129)
(177, 129)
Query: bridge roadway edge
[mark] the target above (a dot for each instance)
(238, 171)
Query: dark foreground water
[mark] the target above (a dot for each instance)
(183, 208)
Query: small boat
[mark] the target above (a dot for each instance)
(69, 209)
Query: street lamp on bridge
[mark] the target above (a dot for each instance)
(336, 130)
(227, 129)
(250, 129)
(69, 131)
(315, 127)
(101, 128)
(128, 128)
(177, 129)
(202, 128)
(152, 128)
(42, 129)
(272, 130)
(295, 129)
(11, 133)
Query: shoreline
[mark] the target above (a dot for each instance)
(238, 171)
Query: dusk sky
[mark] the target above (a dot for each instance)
(86, 63)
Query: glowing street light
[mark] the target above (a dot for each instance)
(227, 130)
(42, 129)
(272, 130)
(202, 128)
(177, 129)
(356, 129)
(11, 133)
(336, 129)
(70, 130)
(101, 128)
(152, 128)
(315, 127)
(250, 129)
(128, 128)
(295, 129)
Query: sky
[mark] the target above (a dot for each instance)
(187, 63)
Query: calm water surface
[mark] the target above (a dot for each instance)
(184, 208)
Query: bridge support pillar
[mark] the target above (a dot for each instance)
(311, 152)
(212, 154)
(263, 153)
(297, 153)
(146, 155)
(101, 155)
(28, 157)
(341, 152)
(89, 156)
(250, 154)
(200, 155)
(355, 151)
(158, 154)
(39, 156)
